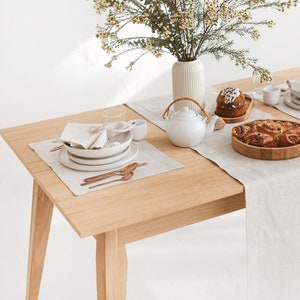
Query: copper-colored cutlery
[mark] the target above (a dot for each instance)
(125, 172)
(125, 177)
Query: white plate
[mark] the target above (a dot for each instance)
(295, 99)
(288, 102)
(98, 161)
(108, 150)
(65, 160)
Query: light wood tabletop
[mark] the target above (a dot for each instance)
(125, 213)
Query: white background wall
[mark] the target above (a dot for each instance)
(51, 64)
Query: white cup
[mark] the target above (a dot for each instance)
(139, 131)
(271, 95)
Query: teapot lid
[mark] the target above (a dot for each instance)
(185, 114)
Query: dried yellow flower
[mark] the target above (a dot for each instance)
(186, 29)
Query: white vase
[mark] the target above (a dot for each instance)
(188, 81)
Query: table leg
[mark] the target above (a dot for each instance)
(41, 216)
(111, 263)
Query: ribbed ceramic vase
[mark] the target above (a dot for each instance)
(188, 81)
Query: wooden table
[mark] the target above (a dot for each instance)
(129, 212)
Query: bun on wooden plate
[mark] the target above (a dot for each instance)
(231, 103)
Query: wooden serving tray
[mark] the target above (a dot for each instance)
(265, 153)
(249, 103)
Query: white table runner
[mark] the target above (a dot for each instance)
(157, 162)
(272, 202)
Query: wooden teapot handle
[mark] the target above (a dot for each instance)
(186, 98)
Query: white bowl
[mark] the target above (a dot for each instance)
(116, 145)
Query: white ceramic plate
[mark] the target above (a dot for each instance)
(295, 100)
(288, 102)
(99, 161)
(65, 160)
(124, 139)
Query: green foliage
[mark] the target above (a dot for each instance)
(185, 29)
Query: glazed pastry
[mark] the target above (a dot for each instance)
(268, 133)
(231, 103)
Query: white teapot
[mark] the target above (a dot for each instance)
(186, 127)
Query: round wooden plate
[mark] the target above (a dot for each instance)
(265, 153)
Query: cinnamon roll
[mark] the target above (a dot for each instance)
(257, 139)
(268, 133)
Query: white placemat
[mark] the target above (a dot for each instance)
(157, 162)
(273, 210)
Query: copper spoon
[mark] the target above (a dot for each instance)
(123, 178)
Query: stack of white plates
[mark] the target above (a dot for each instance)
(118, 152)
(292, 100)
(295, 99)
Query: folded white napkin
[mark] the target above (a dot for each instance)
(294, 84)
(93, 136)
(87, 136)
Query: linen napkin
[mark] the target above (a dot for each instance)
(294, 84)
(272, 208)
(88, 136)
